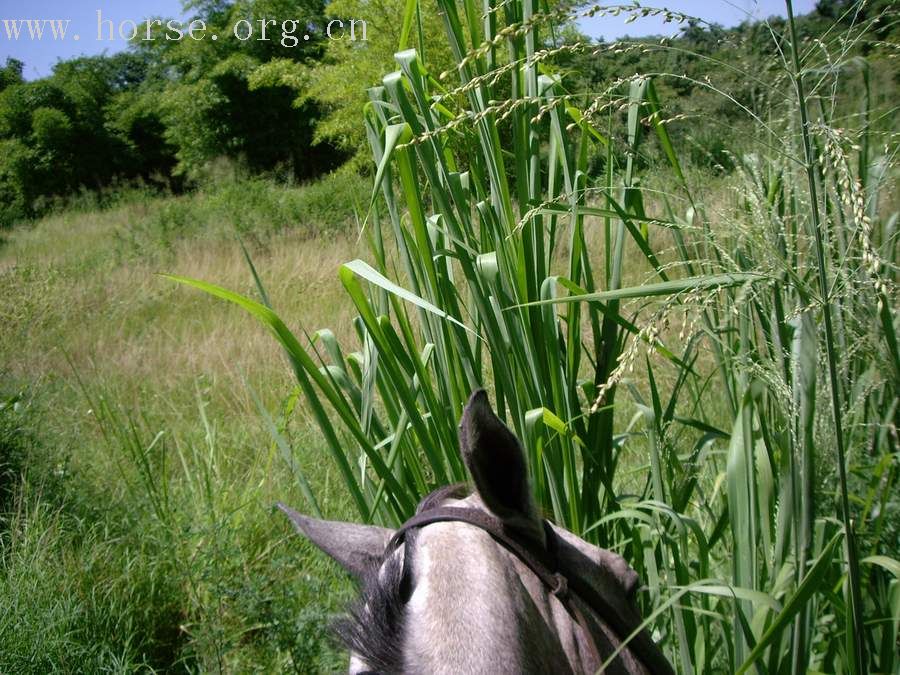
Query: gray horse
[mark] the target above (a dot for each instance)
(472, 593)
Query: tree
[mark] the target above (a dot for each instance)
(338, 83)
(11, 73)
(213, 105)
(56, 132)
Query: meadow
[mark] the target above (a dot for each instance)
(138, 476)
(695, 339)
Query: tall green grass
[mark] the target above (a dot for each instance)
(170, 561)
(663, 361)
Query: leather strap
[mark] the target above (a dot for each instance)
(544, 562)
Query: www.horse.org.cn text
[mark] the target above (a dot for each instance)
(288, 33)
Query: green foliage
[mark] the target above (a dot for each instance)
(15, 442)
(222, 115)
(505, 265)
(136, 121)
(53, 561)
(90, 569)
(712, 78)
(340, 81)
(51, 130)
(653, 328)
(17, 201)
(215, 106)
(163, 111)
(170, 574)
(254, 208)
(11, 73)
(337, 83)
(47, 125)
(53, 618)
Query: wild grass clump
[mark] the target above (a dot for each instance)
(253, 208)
(72, 596)
(165, 562)
(725, 418)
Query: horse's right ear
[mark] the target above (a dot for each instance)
(495, 459)
(354, 547)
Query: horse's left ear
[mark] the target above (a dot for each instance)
(496, 461)
(354, 547)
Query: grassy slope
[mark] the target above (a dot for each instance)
(105, 565)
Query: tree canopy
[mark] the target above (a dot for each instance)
(164, 110)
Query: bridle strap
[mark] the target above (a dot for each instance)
(544, 562)
(539, 560)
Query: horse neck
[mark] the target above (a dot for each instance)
(475, 608)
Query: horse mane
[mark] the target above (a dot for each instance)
(374, 626)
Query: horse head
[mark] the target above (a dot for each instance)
(480, 583)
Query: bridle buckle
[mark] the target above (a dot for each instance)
(560, 586)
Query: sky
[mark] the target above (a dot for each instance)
(725, 12)
(40, 55)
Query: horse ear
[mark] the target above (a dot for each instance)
(354, 547)
(495, 459)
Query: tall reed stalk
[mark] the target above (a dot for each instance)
(854, 633)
